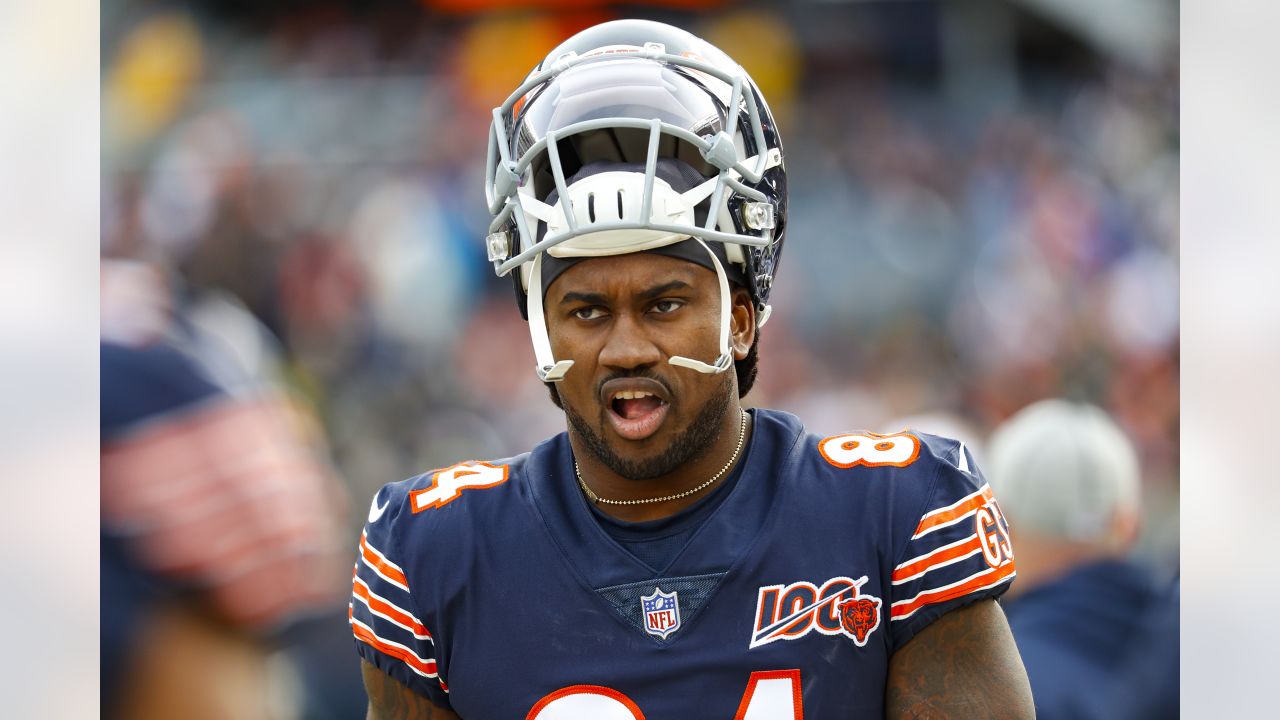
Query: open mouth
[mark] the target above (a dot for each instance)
(636, 414)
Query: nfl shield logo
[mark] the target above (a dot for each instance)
(661, 613)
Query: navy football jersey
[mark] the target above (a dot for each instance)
(492, 589)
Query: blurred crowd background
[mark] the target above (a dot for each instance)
(984, 213)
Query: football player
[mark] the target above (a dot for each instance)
(673, 555)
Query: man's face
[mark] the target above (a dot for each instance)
(620, 319)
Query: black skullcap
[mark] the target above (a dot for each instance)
(682, 178)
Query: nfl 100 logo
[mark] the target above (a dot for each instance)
(661, 613)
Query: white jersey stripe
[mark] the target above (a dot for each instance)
(948, 586)
(942, 517)
(942, 525)
(394, 644)
(958, 583)
(975, 494)
(376, 551)
(382, 575)
(386, 617)
(991, 584)
(935, 551)
(942, 564)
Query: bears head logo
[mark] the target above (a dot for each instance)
(859, 616)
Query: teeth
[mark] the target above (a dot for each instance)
(630, 395)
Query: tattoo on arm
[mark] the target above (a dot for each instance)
(390, 700)
(964, 664)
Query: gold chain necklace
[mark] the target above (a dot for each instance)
(742, 433)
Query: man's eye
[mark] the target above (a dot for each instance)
(588, 313)
(667, 306)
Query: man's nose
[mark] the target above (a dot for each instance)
(628, 345)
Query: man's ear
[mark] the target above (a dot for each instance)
(742, 323)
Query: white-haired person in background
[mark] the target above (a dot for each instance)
(1097, 632)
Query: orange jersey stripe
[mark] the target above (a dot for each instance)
(377, 604)
(982, 580)
(426, 667)
(936, 557)
(387, 569)
(950, 514)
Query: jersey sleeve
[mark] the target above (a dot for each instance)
(387, 625)
(958, 551)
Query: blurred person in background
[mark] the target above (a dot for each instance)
(672, 554)
(221, 519)
(1097, 631)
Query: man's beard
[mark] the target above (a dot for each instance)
(689, 445)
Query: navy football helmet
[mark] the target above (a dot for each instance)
(635, 136)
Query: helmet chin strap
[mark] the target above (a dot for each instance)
(725, 361)
(551, 370)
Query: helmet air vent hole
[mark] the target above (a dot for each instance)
(620, 215)
(591, 206)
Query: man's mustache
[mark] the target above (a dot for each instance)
(643, 374)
